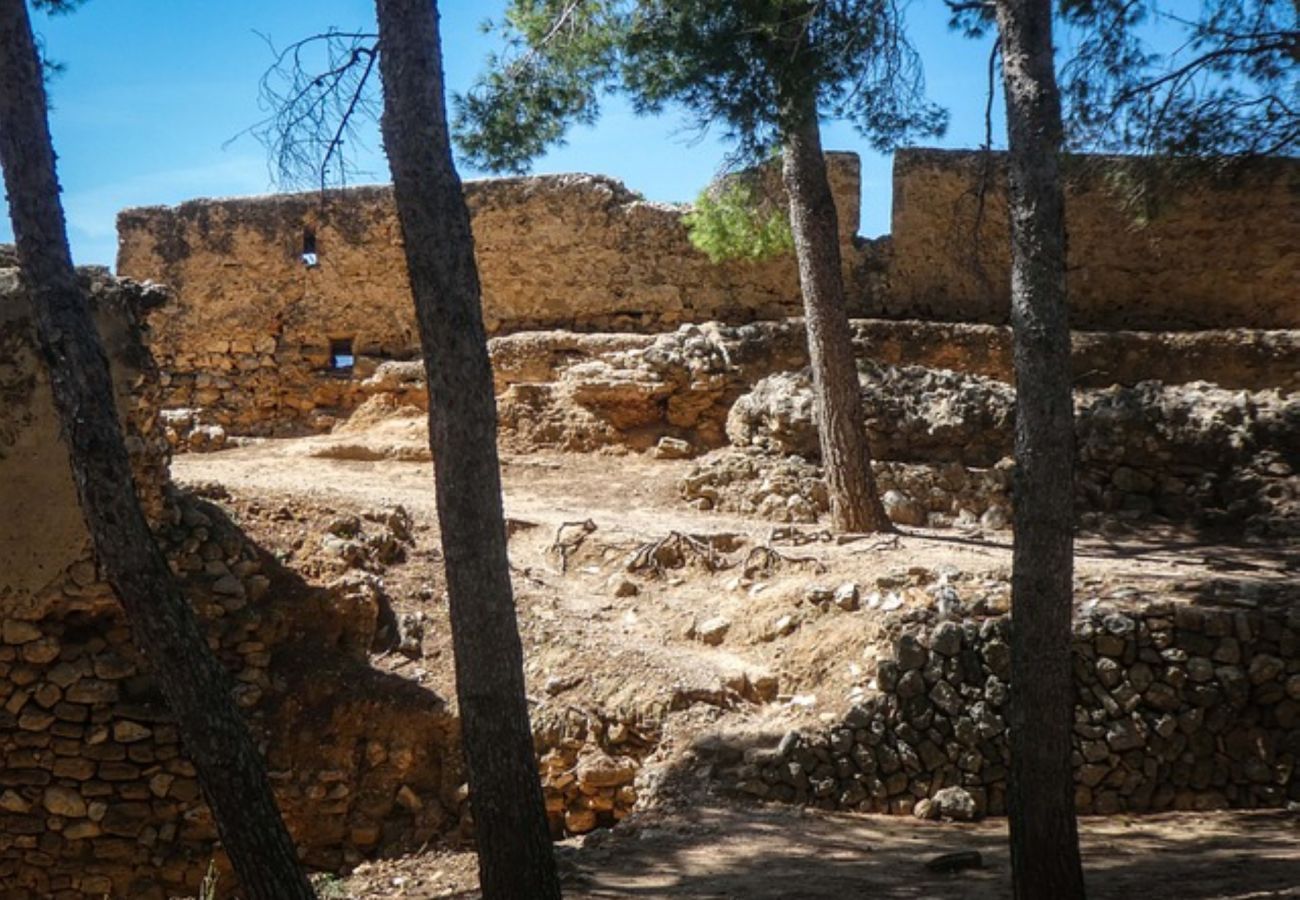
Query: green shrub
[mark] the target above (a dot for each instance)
(732, 222)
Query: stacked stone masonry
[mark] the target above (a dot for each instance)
(1176, 707)
(97, 798)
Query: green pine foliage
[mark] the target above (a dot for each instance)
(752, 69)
(732, 222)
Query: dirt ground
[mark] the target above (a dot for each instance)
(602, 634)
(778, 853)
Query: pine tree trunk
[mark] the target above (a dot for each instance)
(196, 688)
(1044, 833)
(846, 459)
(515, 855)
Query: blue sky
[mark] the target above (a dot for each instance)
(153, 91)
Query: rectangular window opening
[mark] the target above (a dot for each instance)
(341, 356)
(309, 257)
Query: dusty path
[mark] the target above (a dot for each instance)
(637, 496)
(636, 650)
(772, 853)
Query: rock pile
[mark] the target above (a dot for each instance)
(913, 414)
(1177, 707)
(586, 788)
(790, 489)
(1188, 452)
(590, 762)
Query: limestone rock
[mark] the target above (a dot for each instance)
(64, 802)
(902, 509)
(955, 803)
(713, 631)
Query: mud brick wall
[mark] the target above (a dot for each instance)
(1211, 249)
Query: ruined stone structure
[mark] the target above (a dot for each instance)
(96, 796)
(286, 314)
(283, 304)
(257, 335)
(1178, 707)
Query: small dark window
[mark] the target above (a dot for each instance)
(341, 356)
(309, 257)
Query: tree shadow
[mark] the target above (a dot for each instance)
(1209, 570)
(722, 850)
(365, 763)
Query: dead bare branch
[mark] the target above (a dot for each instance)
(319, 96)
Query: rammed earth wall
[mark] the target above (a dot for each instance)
(253, 326)
(1171, 246)
(253, 332)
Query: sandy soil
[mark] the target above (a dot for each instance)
(634, 649)
(591, 648)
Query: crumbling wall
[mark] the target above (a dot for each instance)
(253, 324)
(43, 538)
(537, 372)
(255, 341)
(97, 798)
(1204, 248)
(1176, 707)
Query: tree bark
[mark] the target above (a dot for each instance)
(1044, 832)
(195, 686)
(515, 854)
(846, 459)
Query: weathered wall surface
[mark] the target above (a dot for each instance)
(96, 796)
(42, 537)
(202, 418)
(246, 344)
(252, 325)
(571, 251)
(1177, 707)
(1220, 251)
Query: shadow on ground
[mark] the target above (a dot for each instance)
(769, 852)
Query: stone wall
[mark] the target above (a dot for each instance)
(1176, 707)
(532, 364)
(97, 798)
(1206, 249)
(42, 537)
(253, 325)
(249, 342)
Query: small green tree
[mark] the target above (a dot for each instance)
(765, 71)
(732, 221)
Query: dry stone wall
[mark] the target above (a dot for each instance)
(1207, 248)
(1176, 707)
(943, 441)
(536, 369)
(97, 798)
